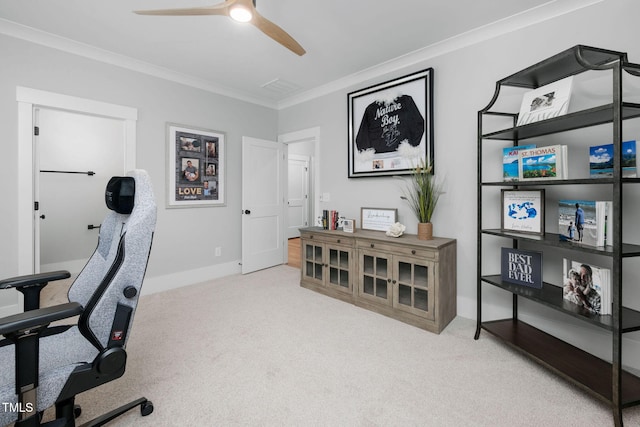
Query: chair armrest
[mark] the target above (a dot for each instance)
(32, 284)
(39, 318)
(34, 279)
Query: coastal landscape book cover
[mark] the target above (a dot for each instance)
(601, 160)
(510, 161)
(596, 226)
(543, 163)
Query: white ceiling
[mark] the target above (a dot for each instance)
(345, 40)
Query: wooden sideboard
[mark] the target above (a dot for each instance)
(410, 280)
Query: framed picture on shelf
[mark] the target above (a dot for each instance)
(196, 167)
(391, 126)
(379, 219)
(348, 225)
(523, 211)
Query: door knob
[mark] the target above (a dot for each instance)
(42, 216)
(247, 212)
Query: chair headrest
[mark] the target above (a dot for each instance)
(120, 194)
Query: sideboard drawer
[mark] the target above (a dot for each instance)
(328, 238)
(398, 249)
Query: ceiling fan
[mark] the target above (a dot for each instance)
(241, 11)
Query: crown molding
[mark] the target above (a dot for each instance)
(524, 19)
(53, 41)
(544, 12)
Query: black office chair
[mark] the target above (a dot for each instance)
(42, 366)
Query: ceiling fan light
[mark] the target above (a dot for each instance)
(240, 14)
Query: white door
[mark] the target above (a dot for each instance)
(297, 194)
(76, 155)
(263, 195)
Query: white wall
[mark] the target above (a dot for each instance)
(182, 249)
(464, 83)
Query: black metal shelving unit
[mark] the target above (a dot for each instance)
(606, 380)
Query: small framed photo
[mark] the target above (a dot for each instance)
(379, 219)
(348, 225)
(523, 211)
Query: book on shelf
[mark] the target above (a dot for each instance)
(521, 267)
(510, 161)
(589, 222)
(330, 219)
(587, 285)
(543, 163)
(546, 102)
(601, 160)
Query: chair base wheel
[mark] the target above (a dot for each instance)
(146, 408)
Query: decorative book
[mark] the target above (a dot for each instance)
(522, 267)
(588, 222)
(543, 163)
(510, 161)
(546, 102)
(601, 160)
(588, 286)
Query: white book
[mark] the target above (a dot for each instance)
(543, 163)
(587, 286)
(546, 102)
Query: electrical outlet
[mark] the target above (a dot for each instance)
(218, 251)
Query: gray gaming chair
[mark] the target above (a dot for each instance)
(76, 358)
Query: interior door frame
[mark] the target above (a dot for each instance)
(28, 99)
(307, 187)
(304, 135)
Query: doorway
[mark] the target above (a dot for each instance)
(75, 156)
(298, 189)
(304, 143)
(28, 100)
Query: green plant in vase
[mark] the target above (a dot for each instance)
(422, 193)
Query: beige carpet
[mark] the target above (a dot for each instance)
(258, 350)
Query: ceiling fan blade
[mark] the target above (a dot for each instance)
(277, 34)
(217, 9)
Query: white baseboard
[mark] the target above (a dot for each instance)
(10, 306)
(8, 310)
(189, 277)
(74, 266)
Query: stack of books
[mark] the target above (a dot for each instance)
(330, 219)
